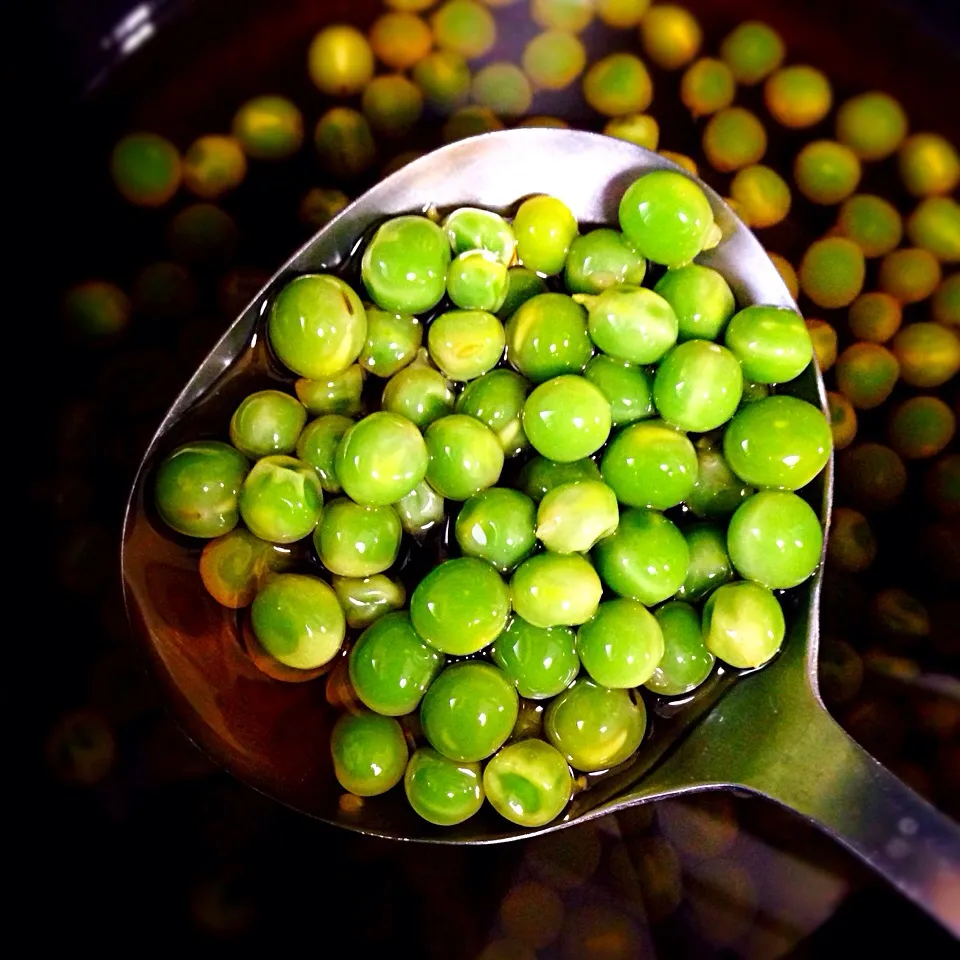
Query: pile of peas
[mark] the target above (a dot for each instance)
(568, 422)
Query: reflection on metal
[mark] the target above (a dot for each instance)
(131, 32)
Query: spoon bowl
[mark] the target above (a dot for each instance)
(767, 733)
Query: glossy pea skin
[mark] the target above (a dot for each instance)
(496, 399)
(469, 711)
(281, 499)
(497, 525)
(553, 59)
(392, 105)
(545, 228)
(666, 217)
(393, 340)
(650, 464)
(391, 667)
(632, 324)
(826, 172)
(442, 791)
(461, 606)
(234, 567)
(572, 517)
(627, 387)
(645, 560)
(539, 661)
(444, 78)
(317, 325)
(780, 442)
(197, 488)
(381, 459)
(213, 165)
(601, 259)
(404, 266)
(554, 589)
(752, 50)
(639, 128)
(269, 128)
(477, 280)
(528, 783)
(464, 456)
(471, 229)
(832, 272)
(298, 621)
(369, 753)
(340, 393)
(266, 422)
(718, 490)
(621, 644)
(698, 385)
(146, 169)
(709, 564)
(420, 510)
(594, 727)
(366, 599)
(686, 662)
(566, 418)
(872, 124)
(701, 299)
(872, 223)
(743, 624)
(522, 285)
(618, 84)
(340, 61)
(771, 343)
(465, 344)
(317, 445)
(540, 475)
(547, 336)
(357, 541)
(419, 393)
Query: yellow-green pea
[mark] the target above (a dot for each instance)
(465, 27)
(843, 420)
(504, 88)
(146, 169)
(554, 59)
(392, 105)
(622, 14)
(96, 308)
(852, 546)
(570, 15)
(470, 122)
(875, 317)
(946, 302)
(832, 272)
(872, 124)
(826, 172)
(734, 138)
(787, 273)
(618, 84)
(213, 165)
(798, 96)
(345, 142)
(340, 61)
(871, 222)
(400, 39)
(707, 86)
(752, 50)
(929, 165)
(444, 78)
(921, 427)
(928, 354)
(554, 123)
(824, 339)
(409, 6)
(639, 128)
(670, 35)
(269, 128)
(320, 205)
(934, 225)
(910, 275)
(761, 195)
(339, 393)
(866, 374)
(681, 160)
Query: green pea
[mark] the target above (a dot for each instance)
(539, 475)
(444, 792)
(357, 541)
(826, 172)
(566, 418)
(554, 59)
(366, 599)
(572, 517)
(234, 567)
(496, 399)
(393, 340)
(595, 728)
(477, 281)
(734, 138)
(337, 393)
(504, 88)
(528, 783)
(470, 121)
(645, 560)
(617, 84)
(497, 525)
(146, 169)
(96, 308)
(569, 15)
(621, 644)
(404, 267)
(281, 499)
(545, 228)
(470, 228)
(638, 128)
(522, 285)
(320, 205)
(707, 86)
(686, 661)
(555, 589)
(709, 564)
(946, 302)
(718, 490)
(318, 444)
(650, 464)
(752, 50)
(267, 422)
(392, 105)
(465, 344)
(779, 442)
(269, 128)
(832, 272)
(547, 336)
(698, 385)
(344, 142)
(771, 343)
(465, 27)
(465, 456)
(628, 388)
(798, 96)
(671, 35)
(935, 226)
(761, 197)
(369, 753)
(622, 14)
(340, 61)
(872, 124)
(601, 259)
(317, 325)
(444, 78)
(400, 38)
(197, 488)
(213, 165)
(420, 510)
(540, 661)
(420, 393)
(929, 165)
(872, 223)
(701, 298)
(632, 323)
(381, 459)
(297, 620)
(743, 624)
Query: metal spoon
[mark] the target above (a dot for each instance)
(766, 734)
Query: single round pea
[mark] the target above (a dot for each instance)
(404, 267)
(469, 711)
(393, 340)
(545, 228)
(910, 275)
(934, 226)
(832, 272)
(686, 662)
(547, 336)
(539, 475)
(639, 128)
(632, 324)
(921, 427)
(317, 445)
(268, 128)
(471, 121)
(650, 464)
(594, 727)
(298, 621)
(843, 420)
(366, 599)
(872, 124)
(96, 308)
(357, 541)
(823, 337)
(701, 299)
(235, 566)
(392, 105)
(465, 456)
(762, 196)
(707, 86)
(496, 399)
(872, 223)
(213, 165)
(444, 78)
(618, 84)
(281, 499)
(539, 661)
(771, 343)
(337, 393)
(369, 753)
(553, 59)
(419, 393)
(743, 624)
(718, 491)
(775, 539)
(798, 96)
(752, 50)
(946, 302)
(267, 422)
(400, 39)
(566, 418)
(622, 14)
(645, 560)
(420, 510)
(928, 354)
(504, 88)
(628, 388)
(464, 27)
(340, 61)
(391, 667)
(497, 525)
(572, 517)
(875, 317)
(826, 172)
(470, 229)
(554, 589)
(320, 205)
(442, 791)
(601, 259)
(698, 385)
(709, 564)
(381, 459)
(780, 442)
(929, 165)
(477, 281)
(621, 644)
(146, 169)
(666, 217)
(734, 138)
(528, 783)
(344, 142)
(871, 476)
(465, 344)
(670, 35)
